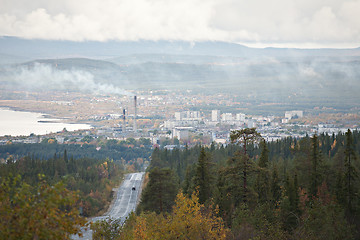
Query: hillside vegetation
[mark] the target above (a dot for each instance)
(289, 189)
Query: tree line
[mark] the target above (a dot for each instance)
(47, 190)
(288, 189)
(113, 149)
(92, 178)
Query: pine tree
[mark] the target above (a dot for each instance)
(244, 137)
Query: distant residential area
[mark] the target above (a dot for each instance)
(174, 118)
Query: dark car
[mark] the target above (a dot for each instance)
(133, 188)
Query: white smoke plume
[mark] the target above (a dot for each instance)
(44, 76)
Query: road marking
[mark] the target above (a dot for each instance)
(114, 212)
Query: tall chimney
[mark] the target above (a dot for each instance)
(135, 113)
(123, 126)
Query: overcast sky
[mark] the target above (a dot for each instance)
(260, 23)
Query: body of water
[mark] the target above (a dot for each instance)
(17, 123)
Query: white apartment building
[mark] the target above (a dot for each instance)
(215, 115)
(240, 117)
(292, 114)
(188, 116)
(227, 117)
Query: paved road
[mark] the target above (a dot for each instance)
(125, 202)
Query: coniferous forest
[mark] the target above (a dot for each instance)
(48, 199)
(289, 189)
(48, 189)
(94, 179)
(250, 189)
(113, 149)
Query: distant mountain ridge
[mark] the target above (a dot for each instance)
(35, 49)
(327, 76)
(78, 63)
(300, 75)
(144, 74)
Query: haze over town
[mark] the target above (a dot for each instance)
(112, 107)
(188, 57)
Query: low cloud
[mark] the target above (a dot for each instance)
(333, 23)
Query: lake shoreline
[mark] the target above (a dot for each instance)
(15, 122)
(19, 109)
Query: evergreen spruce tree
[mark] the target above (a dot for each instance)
(65, 156)
(289, 205)
(262, 183)
(275, 186)
(296, 195)
(202, 179)
(316, 165)
(187, 184)
(350, 171)
(160, 192)
(264, 157)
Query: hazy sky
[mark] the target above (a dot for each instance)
(285, 23)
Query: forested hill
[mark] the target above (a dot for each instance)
(47, 189)
(48, 199)
(112, 149)
(36, 48)
(289, 189)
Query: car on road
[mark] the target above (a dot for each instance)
(133, 188)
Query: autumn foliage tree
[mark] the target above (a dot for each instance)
(38, 212)
(305, 188)
(188, 220)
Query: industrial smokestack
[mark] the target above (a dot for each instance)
(123, 126)
(135, 113)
